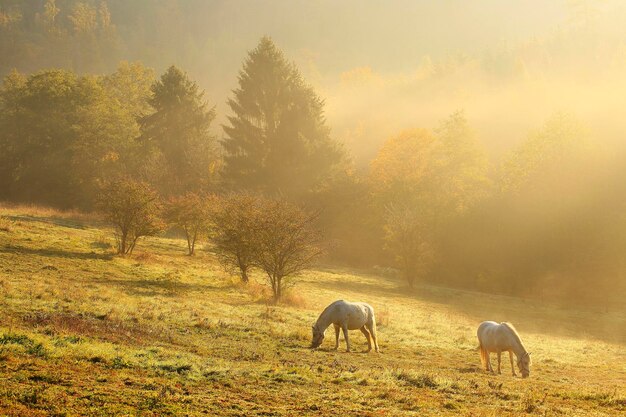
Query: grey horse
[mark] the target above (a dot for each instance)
(346, 316)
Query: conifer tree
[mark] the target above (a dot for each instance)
(277, 140)
(177, 135)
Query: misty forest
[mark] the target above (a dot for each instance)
(187, 186)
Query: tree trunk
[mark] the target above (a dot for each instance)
(132, 246)
(189, 243)
(121, 250)
(410, 281)
(275, 290)
(278, 290)
(193, 243)
(244, 275)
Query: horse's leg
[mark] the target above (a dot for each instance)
(372, 330)
(499, 360)
(488, 358)
(367, 336)
(336, 336)
(484, 357)
(512, 366)
(345, 336)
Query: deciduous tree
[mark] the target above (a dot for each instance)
(62, 133)
(274, 236)
(133, 209)
(234, 224)
(287, 243)
(189, 212)
(421, 180)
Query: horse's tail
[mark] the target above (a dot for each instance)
(372, 329)
(483, 355)
(373, 318)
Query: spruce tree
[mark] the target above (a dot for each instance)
(277, 141)
(181, 153)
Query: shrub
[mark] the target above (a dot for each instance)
(132, 207)
(190, 213)
(233, 222)
(286, 243)
(274, 236)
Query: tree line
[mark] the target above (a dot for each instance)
(431, 204)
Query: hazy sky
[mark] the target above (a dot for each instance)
(381, 47)
(389, 36)
(385, 66)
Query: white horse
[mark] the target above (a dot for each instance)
(346, 316)
(503, 337)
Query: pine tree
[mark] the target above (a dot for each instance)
(277, 140)
(177, 135)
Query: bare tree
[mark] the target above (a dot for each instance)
(133, 208)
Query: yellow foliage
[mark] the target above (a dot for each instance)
(404, 159)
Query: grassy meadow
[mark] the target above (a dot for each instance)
(84, 332)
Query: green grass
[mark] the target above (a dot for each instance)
(84, 332)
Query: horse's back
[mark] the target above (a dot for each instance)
(365, 306)
(367, 309)
(338, 303)
(486, 326)
(492, 335)
(348, 305)
(486, 331)
(355, 313)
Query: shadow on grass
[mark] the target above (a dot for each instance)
(87, 324)
(55, 253)
(73, 224)
(342, 350)
(156, 287)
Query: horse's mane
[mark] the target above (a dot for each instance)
(514, 331)
(331, 305)
(327, 309)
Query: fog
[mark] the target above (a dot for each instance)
(383, 67)
(491, 132)
(387, 66)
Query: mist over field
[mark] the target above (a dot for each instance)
(194, 192)
(381, 68)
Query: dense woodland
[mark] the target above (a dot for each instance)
(547, 220)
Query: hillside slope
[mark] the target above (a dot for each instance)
(83, 332)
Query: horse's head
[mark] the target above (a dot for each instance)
(523, 363)
(318, 337)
